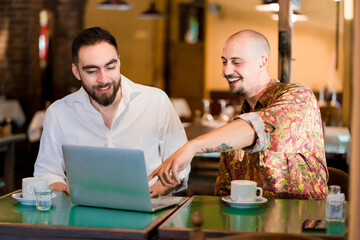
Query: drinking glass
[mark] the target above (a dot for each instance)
(335, 205)
(207, 117)
(43, 198)
(223, 117)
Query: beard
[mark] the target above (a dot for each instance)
(237, 91)
(104, 99)
(240, 91)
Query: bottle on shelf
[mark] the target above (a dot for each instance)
(192, 33)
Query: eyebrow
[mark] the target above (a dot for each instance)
(86, 67)
(233, 58)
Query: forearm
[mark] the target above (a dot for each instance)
(234, 135)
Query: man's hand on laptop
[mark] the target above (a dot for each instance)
(168, 171)
(60, 187)
(158, 189)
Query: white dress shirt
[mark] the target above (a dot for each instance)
(145, 120)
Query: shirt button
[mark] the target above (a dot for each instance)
(267, 114)
(297, 100)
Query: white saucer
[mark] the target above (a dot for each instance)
(234, 204)
(27, 201)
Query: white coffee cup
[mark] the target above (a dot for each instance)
(245, 191)
(28, 185)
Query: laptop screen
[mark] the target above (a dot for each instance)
(107, 177)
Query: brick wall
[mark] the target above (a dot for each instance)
(68, 22)
(20, 73)
(4, 36)
(19, 61)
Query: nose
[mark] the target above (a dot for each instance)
(227, 69)
(102, 76)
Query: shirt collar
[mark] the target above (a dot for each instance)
(265, 97)
(130, 89)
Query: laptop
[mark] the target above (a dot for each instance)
(111, 178)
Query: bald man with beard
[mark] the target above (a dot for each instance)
(276, 140)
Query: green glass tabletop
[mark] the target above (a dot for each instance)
(275, 216)
(64, 213)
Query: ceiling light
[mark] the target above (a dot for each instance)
(268, 7)
(115, 5)
(295, 17)
(273, 6)
(151, 13)
(348, 9)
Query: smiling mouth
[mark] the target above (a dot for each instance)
(104, 88)
(233, 80)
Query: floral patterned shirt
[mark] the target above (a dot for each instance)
(288, 158)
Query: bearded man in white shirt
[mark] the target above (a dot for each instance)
(108, 110)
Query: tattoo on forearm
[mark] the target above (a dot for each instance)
(222, 148)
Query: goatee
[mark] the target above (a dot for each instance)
(237, 92)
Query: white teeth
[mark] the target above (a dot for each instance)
(233, 79)
(104, 88)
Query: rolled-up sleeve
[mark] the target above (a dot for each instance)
(291, 123)
(263, 138)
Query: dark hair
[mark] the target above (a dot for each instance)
(90, 36)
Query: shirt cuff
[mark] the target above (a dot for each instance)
(183, 176)
(257, 123)
(182, 186)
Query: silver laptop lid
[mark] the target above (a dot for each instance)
(107, 177)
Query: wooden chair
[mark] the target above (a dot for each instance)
(6, 129)
(340, 178)
(331, 116)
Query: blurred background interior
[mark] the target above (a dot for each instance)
(178, 50)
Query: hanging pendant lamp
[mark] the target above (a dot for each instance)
(268, 6)
(115, 5)
(151, 13)
(273, 6)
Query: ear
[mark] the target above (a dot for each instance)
(263, 61)
(75, 71)
(119, 62)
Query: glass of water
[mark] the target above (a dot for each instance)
(43, 198)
